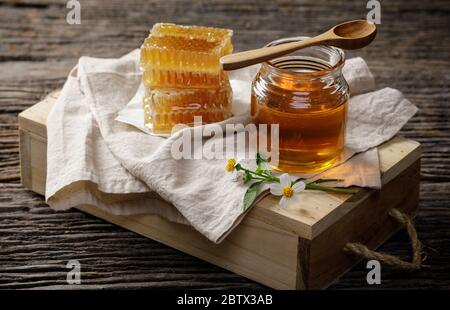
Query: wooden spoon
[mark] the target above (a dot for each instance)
(349, 35)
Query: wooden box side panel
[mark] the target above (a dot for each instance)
(33, 161)
(324, 259)
(254, 249)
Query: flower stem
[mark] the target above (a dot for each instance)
(261, 175)
(327, 180)
(314, 185)
(259, 178)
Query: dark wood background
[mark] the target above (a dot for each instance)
(38, 47)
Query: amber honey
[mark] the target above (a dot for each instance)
(308, 141)
(307, 98)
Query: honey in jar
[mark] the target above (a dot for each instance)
(306, 94)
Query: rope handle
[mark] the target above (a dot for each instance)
(416, 263)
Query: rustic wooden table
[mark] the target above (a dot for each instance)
(38, 47)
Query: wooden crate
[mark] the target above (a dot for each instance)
(283, 249)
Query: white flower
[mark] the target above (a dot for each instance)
(286, 189)
(231, 167)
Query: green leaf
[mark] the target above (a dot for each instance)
(263, 165)
(250, 194)
(260, 159)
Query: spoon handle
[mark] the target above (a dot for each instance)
(251, 57)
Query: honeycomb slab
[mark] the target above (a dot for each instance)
(181, 54)
(154, 78)
(209, 34)
(184, 56)
(166, 107)
(183, 77)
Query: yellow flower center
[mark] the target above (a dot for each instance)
(230, 164)
(288, 192)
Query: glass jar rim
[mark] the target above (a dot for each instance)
(329, 49)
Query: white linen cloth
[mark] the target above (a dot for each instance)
(94, 159)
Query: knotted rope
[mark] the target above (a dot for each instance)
(363, 251)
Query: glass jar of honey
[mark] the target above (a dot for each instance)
(306, 94)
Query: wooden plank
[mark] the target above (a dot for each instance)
(244, 251)
(33, 158)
